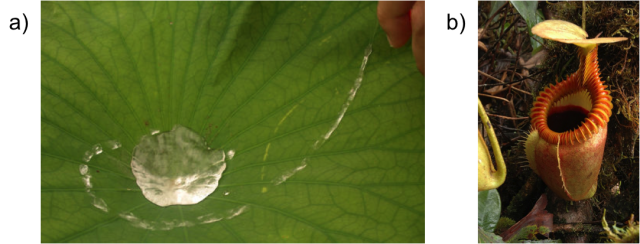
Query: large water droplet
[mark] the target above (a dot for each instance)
(176, 168)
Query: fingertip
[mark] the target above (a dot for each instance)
(395, 20)
(398, 31)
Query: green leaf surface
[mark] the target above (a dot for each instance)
(268, 80)
(488, 237)
(495, 6)
(488, 209)
(529, 11)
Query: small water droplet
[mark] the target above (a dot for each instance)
(97, 149)
(231, 153)
(87, 181)
(83, 169)
(128, 216)
(282, 178)
(100, 204)
(114, 144)
(209, 219)
(87, 156)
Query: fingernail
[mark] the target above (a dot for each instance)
(389, 40)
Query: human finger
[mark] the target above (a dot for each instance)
(417, 26)
(395, 21)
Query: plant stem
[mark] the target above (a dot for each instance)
(501, 172)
